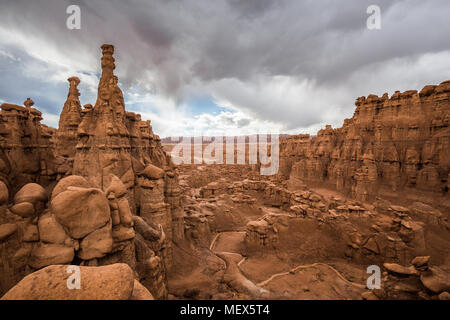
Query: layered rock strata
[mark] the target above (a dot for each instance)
(396, 143)
(83, 186)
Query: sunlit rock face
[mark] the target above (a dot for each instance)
(396, 143)
(77, 189)
(26, 146)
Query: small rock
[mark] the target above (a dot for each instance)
(420, 262)
(48, 254)
(50, 230)
(396, 268)
(4, 193)
(81, 210)
(368, 295)
(70, 181)
(96, 244)
(31, 192)
(140, 292)
(121, 233)
(436, 280)
(152, 172)
(30, 233)
(23, 209)
(6, 230)
(444, 296)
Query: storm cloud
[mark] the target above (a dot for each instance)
(267, 65)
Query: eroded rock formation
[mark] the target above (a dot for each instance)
(83, 186)
(391, 144)
(101, 193)
(26, 146)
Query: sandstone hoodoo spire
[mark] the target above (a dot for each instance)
(115, 143)
(108, 60)
(109, 169)
(69, 120)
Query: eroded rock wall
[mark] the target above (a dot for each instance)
(26, 146)
(109, 168)
(401, 142)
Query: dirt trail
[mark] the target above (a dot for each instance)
(230, 260)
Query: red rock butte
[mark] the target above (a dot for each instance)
(101, 193)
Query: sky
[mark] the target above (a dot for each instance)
(224, 67)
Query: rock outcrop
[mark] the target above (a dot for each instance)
(112, 282)
(26, 146)
(76, 191)
(392, 144)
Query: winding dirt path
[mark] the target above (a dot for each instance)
(293, 270)
(281, 274)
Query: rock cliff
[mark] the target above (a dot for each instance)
(396, 143)
(98, 190)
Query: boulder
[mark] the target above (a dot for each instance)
(398, 269)
(140, 292)
(31, 192)
(125, 212)
(444, 296)
(81, 210)
(30, 233)
(436, 280)
(121, 233)
(145, 230)
(4, 193)
(96, 244)
(23, 209)
(70, 181)
(50, 230)
(117, 187)
(420, 262)
(111, 282)
(6, 230)
(48, 254)
(153, 172)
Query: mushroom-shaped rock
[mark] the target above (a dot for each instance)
(31, 192)
(153, 172)
(70, 181)
(111, 282)
(81, 210)
(4, 193)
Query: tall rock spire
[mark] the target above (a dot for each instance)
(104, 145)
(70, 118)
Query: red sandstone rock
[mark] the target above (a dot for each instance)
(396, 143)
(113, 282)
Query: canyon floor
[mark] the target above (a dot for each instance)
(246, 243)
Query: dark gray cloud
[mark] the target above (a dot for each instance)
(295, 63)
